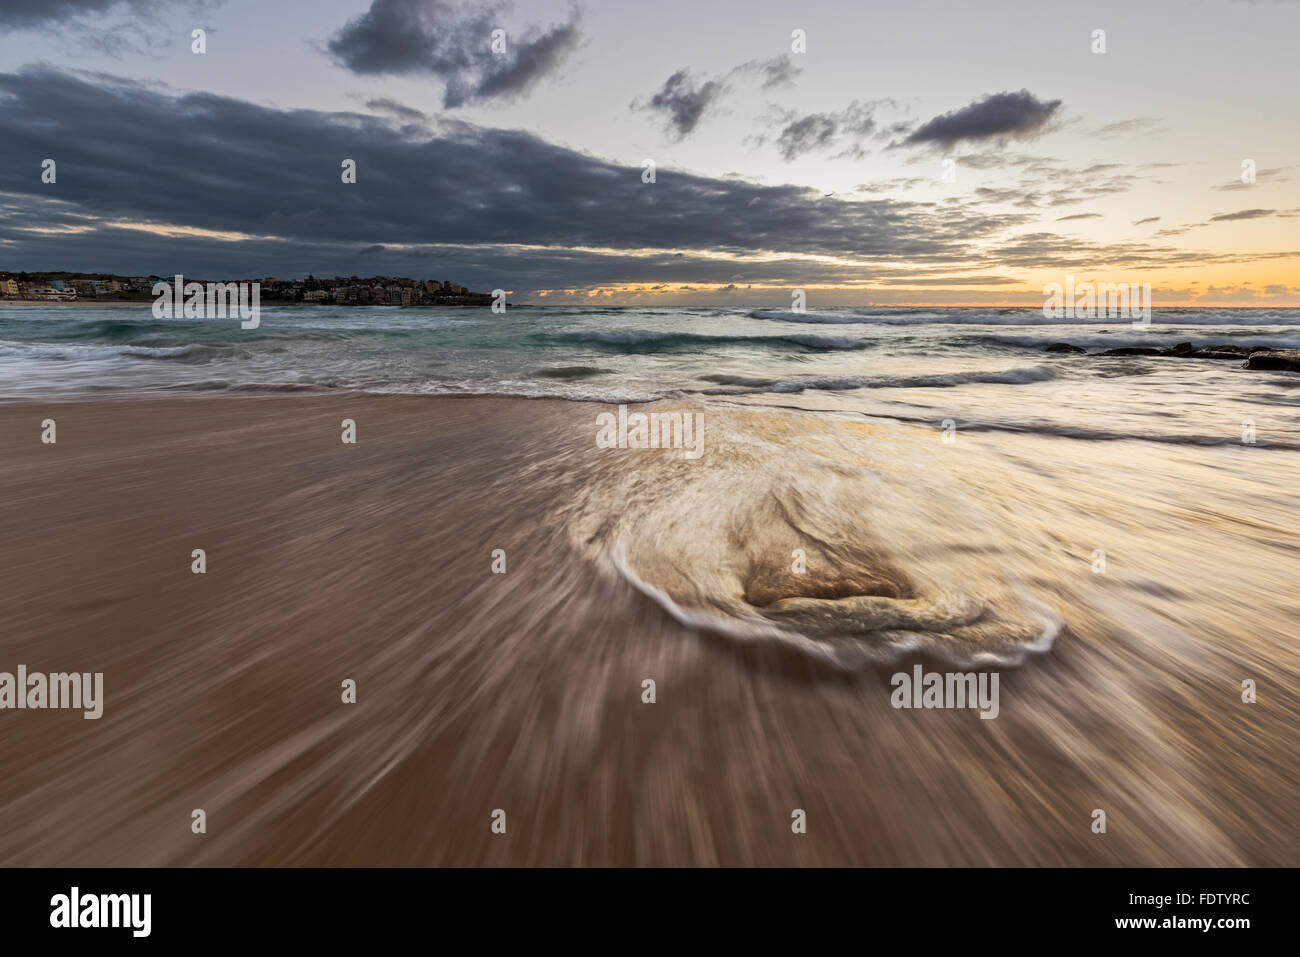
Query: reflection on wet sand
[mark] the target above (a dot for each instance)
(522, 691)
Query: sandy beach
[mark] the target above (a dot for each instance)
(523, 691)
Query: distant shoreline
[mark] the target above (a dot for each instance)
(270, 302)
(76, 302)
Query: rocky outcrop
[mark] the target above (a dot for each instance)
(1185, 350)
(1285, 360)
(1134, 351)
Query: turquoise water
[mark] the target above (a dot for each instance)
(982, 368)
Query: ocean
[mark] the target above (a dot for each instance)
(984, 367)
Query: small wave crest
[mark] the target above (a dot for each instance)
(1030, 317)
(645, 341)
(745, 385)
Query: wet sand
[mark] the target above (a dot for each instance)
(522, 691)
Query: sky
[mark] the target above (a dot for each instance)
(866, 153)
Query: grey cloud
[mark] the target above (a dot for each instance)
(996, 116)
(683, 101)
(818, 131)
(113, 28)
(492, 207)
(405, 37)
(1139, 124)
(28, 13)
(1243, 214)
(1061, 219)
(1149, 219)
(806, 134)
(241, 167)
(1267, 176)
(1001, 159)
(395, 109)
(1046, 183)
(778, 71)
(957, 281)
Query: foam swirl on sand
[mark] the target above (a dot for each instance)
(819, 535)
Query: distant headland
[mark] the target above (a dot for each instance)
(341, 290)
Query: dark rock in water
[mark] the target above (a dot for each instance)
(1133, 351)
(1063, 347)
(1286, 360)
(1229, 352)
(1185, 350)
(571, 372)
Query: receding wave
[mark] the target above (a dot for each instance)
(571, 372)
(1038, 427)
(849, 383)
(86, 351)
(1031, 317)
(848, 316)
(644, 341)
(823, 555)
(1262, 338)
(177, 332)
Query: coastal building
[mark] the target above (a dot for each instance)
(46, 292)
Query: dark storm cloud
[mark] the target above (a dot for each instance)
(404, 37)
(996, 116)
(492, 207)
(132, 153)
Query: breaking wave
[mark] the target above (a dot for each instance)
(745, 384)
(830, 555)
(1030, 317)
